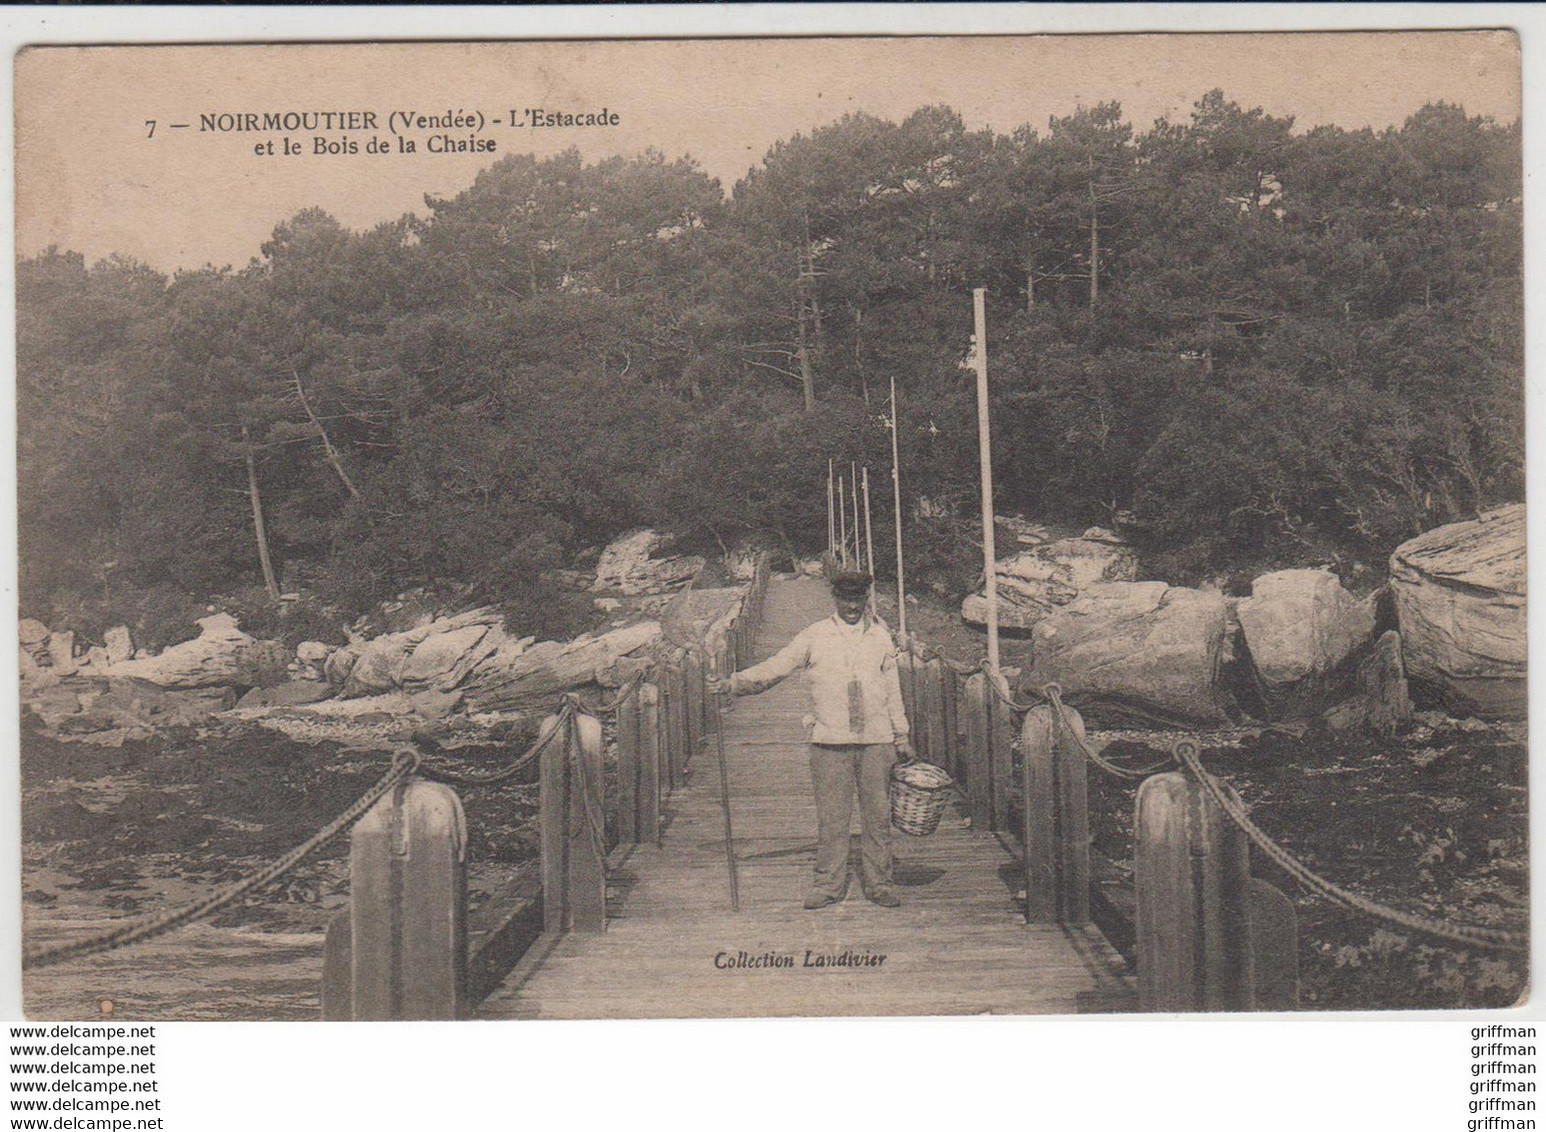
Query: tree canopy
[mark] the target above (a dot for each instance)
(1250, 345)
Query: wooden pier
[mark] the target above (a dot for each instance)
(673, 948)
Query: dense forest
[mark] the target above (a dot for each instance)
(1245, 345)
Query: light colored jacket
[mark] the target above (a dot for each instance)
(851, 672)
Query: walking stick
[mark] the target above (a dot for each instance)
(724, 793)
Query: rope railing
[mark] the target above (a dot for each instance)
(404, 765)
(1185, 755)
(1469, 935)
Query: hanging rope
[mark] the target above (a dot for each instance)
(1470, 935)
(495, 778)
(404, 763)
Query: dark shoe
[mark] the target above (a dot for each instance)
(885, 897)
(819, 900)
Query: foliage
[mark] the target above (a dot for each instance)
(1256, 344)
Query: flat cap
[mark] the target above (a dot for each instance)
(850, 583)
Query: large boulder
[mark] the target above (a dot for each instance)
(1379, 701)
(378, 664)
(629, 566)
(61, 652)
(1459, 593)
(120, 644)
(442, 660)
(263, 664)
(1301, 627)
(434, 656)
(312, 652)
(535, 677)
(212, 659)
(33, 637)
(1136, 653)
(1035, 583)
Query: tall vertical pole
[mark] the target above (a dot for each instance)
(985, 451)
(842, 525)
(869, 541)
(896, 496)
(831, 518)
(853, 490)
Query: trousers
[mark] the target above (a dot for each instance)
(835, 772)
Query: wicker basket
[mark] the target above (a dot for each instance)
(919, 794)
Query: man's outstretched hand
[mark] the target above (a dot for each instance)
(905, 752)
(717, 685)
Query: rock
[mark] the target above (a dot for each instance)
(1459, 593)
(809, 568)
(379, 665)
(340, 662)
(535, 677)
(312, 652)
(1035, 583)
(120, 645)
(211, 659)
(52, 705)
(1101, 534)
(130, 706)
(1380, 702)
(435, 704)
(95, 658)
(1301, 626)
(629, 567)
(263, 664)
(608, 604)
(443, 659)
(32, 634)
(691, 615)
(1023, 533)
(61, 653)
(1136, 653)
(288, 694)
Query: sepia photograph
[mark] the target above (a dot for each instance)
(772, 527)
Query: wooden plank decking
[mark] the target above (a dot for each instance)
(956, 946)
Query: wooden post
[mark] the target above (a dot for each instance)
(338, 970)
(692, 679)
(668, 773)
(649, 763)
(1274, 948)
(1055, 826)
(904, 677)
(553, 824)
(985, 460)
(587, 882)
(1001, 732)
(408, 906)
(976, 761)
(678, 725)
(1192, 872)
(628, 785)
(896, 500)
(842, 524)
(869, 538)
(831, 516)
(950, 696)
(930, 726)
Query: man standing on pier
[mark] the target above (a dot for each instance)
(858, 729)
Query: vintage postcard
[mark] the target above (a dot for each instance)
(769, 527)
